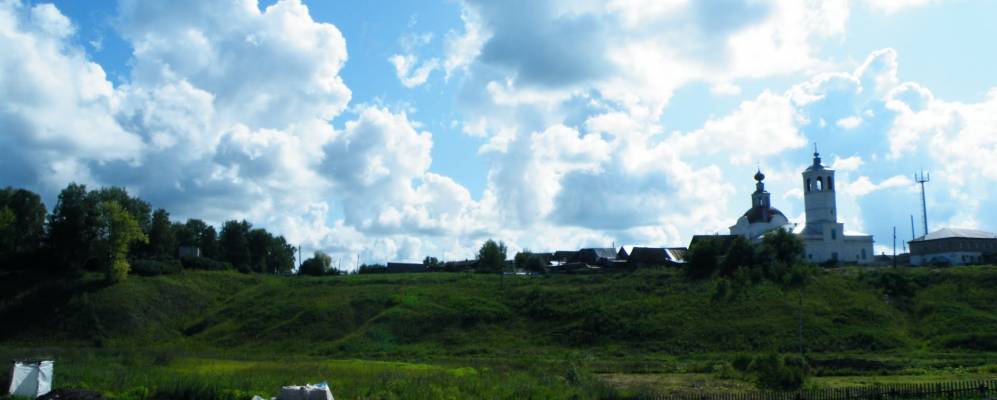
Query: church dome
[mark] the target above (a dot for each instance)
(763, 215)
(759, 176)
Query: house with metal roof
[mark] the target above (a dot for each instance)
(952, 246)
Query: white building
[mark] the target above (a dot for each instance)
(950, 246)
(761, 217)
(823, 235)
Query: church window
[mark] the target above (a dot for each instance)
(834, 234)
(809, 186)
(830, 183)
(820, 184)
(863, 254)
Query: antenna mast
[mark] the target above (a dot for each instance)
(922, 179)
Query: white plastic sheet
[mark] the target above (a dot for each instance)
(307, 392)
(31, 379)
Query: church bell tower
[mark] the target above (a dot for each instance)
(819, 196)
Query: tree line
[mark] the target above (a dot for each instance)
(111, 231)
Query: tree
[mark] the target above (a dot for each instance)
(138, 208)
(521, 258)
(536, 264)
(7, 232)
(319, 264)
(162, 238)
(784, 246)
(431, 263)
(491, 256)
(703, 258)
(739, 254)
(117, 231)
(280, 257)
(233, 244)
(27, 225)
(209, 245)
(258, 241)
(72, 227)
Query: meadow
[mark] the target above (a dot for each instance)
(200, 334)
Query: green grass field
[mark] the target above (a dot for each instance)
(476, 336)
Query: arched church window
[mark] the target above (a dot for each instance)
(834, 234)
(809, 185)
(830, 183)
(820, 184)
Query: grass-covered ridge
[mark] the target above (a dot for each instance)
(652, 313)
(457, 335)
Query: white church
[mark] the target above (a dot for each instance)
(823, 235)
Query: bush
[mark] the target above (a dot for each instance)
(205, 264)
(971, 341)
(775, 372)
(155, 267)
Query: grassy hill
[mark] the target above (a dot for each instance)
(855, 320)
(651, 312)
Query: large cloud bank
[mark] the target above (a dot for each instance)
(231, 111)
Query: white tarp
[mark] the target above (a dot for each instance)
(31, 379)
(307, 392)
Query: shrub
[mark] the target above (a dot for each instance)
(155, 267)
(205, 264)
(775, 372)
(971, 341)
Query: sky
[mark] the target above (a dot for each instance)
(395, 130)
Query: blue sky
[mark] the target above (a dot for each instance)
(396, 130)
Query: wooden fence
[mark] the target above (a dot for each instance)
(943, 391)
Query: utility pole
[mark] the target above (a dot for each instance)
(922, 179)
(894, 246)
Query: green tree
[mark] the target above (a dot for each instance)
(432, 263)
(280, 257)
(491, 256)
(117, 231)
(319, 264)
(7, 232)
(740, 253)
(72, 227)
(784, 246)
(258, 241)
(138, 208)
(27, 227)
(233, 244)
(210, 248)
(521, 258)
(162, 238)
(703, 257)
(536, 264)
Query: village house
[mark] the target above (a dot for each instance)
(950, 246)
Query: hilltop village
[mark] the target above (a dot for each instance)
(823, 236)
